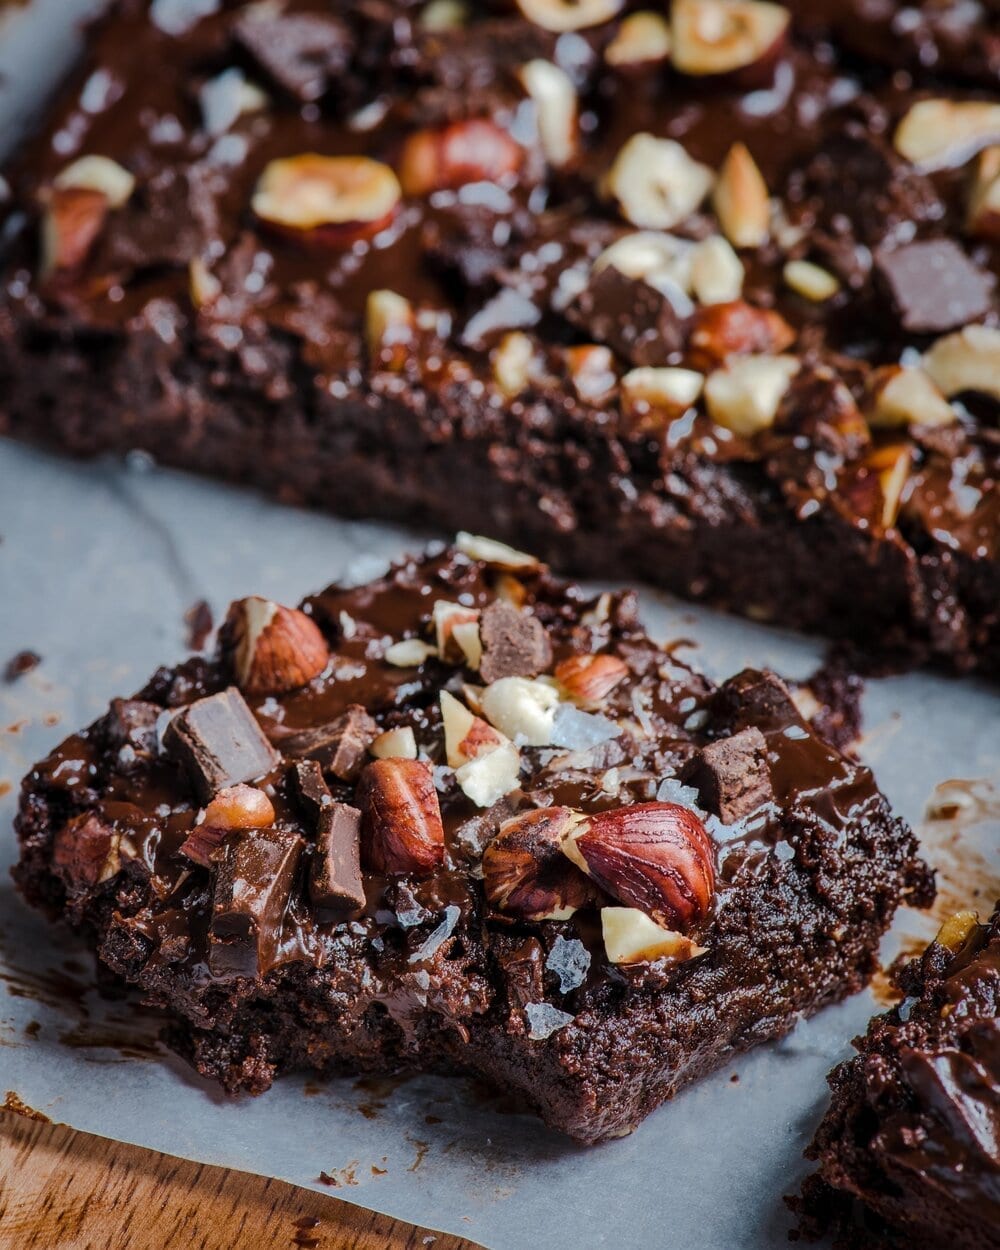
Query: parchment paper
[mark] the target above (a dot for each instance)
(98, 565)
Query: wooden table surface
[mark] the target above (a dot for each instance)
(63, 1190)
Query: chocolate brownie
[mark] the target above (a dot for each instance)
(466, 818)
(909, 1151)
(705, 297)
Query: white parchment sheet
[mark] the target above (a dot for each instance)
(98, 565)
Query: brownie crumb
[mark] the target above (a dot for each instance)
(838, 689)
(199, 622)
(18, 665)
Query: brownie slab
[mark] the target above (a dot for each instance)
(707, 300)
(909, 1151)
(467, 818)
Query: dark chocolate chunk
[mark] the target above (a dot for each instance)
(754, 697)
(252, 888)
(219, 743)
(310, 788)
(862, 188)
(20, 664)
(340, 746)
(130, 726)
(731, 775)
(302, 52)
(515, 643)
(639, 321)
(934, 286)
(335, 873)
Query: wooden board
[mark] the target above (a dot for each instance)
(63, 1190)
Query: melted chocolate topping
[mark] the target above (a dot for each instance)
(515, 250)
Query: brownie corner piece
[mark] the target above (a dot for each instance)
(908, 1153)
(467, 818)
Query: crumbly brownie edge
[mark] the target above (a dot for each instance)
(739, 547)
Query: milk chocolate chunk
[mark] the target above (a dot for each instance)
(634, 318)
(302, 52)
(310, 788)
(335, 872)
(731, 775)
(515, 643)
(340, 746)
(252, 887)
(219, 743)
(934, 286)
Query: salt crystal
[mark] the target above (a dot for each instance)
(673, 791)
(569, 959)
(544, 1020)
(575, 730)
(429, 947)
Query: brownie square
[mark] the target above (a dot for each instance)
(590, 885)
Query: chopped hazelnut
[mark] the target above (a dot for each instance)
(968, 360)
(745, 396)
(741, 200)
(907, 397)
(655, 183)
(552, 92)
(642, 38)
(937, 133)
(716, 271)
(720, 36)
(810, 281)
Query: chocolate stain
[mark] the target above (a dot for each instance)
(421, 1147)
(339, 1177)
(5, 788)
(15, 1103)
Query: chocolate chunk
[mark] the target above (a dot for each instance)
(340, 746)
(302, 52)
(335, 872)
(731, 775)
(934, 286)
(754, 698)
(219, 743)
(20, 664)
(130, 727)
(252, 888)
(862, 189)
(515, 643)
(310, 788)
(638, 321)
